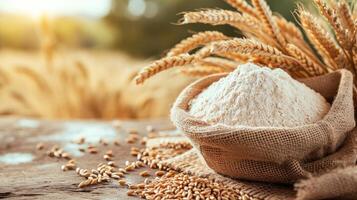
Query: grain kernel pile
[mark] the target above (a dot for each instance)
(259, 97)
(161, 181)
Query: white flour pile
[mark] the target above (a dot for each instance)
(260, 97)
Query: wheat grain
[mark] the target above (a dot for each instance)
(116, 142)
(92, 151)
(144, 174)
(40, 146)
(122, 182)
(110, 153)
(186, 187)
(195, 41)
(107, 157)
(160, 173)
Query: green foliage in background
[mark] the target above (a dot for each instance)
(150, 36)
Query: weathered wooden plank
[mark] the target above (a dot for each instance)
(40, 177)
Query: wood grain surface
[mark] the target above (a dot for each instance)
(28, 173)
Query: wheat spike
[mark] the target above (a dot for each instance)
(320, 38)
(245, 46)
(257, 50)
(288, 29)
(163, 64)
(269, 23)
(243, 7)
(344, 13)
(4, 77)
(39, 80)
(310, 65)
(195, 41)
(220, 17)
(82, 69)
(330, 15)
(292, 34)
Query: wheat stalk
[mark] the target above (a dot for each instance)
(163, 64)
(275, 42)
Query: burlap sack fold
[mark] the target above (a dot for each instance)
(280, 155)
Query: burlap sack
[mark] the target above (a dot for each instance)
(281, 155)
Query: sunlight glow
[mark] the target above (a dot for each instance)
(136, 7)
(36, 8)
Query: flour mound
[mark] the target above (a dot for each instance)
(259, 97)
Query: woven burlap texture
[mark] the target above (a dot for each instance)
(269, 154)
(340, 183)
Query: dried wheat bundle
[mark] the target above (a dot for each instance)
(269, 40)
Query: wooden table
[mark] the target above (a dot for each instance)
(27, 173)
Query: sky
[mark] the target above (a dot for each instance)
(36, 8)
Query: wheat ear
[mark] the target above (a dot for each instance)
(257, 50)
(220, 17)
(164, 64)
(195, 41)
(245, 46)
(34, 76)
(320, 38)
(292, 34)
(288, 28)
(82, 69)
(269, 23)
(243, 6)
(4, 77)
(330, 15)
(309, 64)
(344, 13)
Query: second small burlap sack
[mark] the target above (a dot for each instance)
(272, 154)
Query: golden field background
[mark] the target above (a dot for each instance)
(76, 66)
(81, 84)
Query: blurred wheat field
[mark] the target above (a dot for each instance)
(81, 84)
